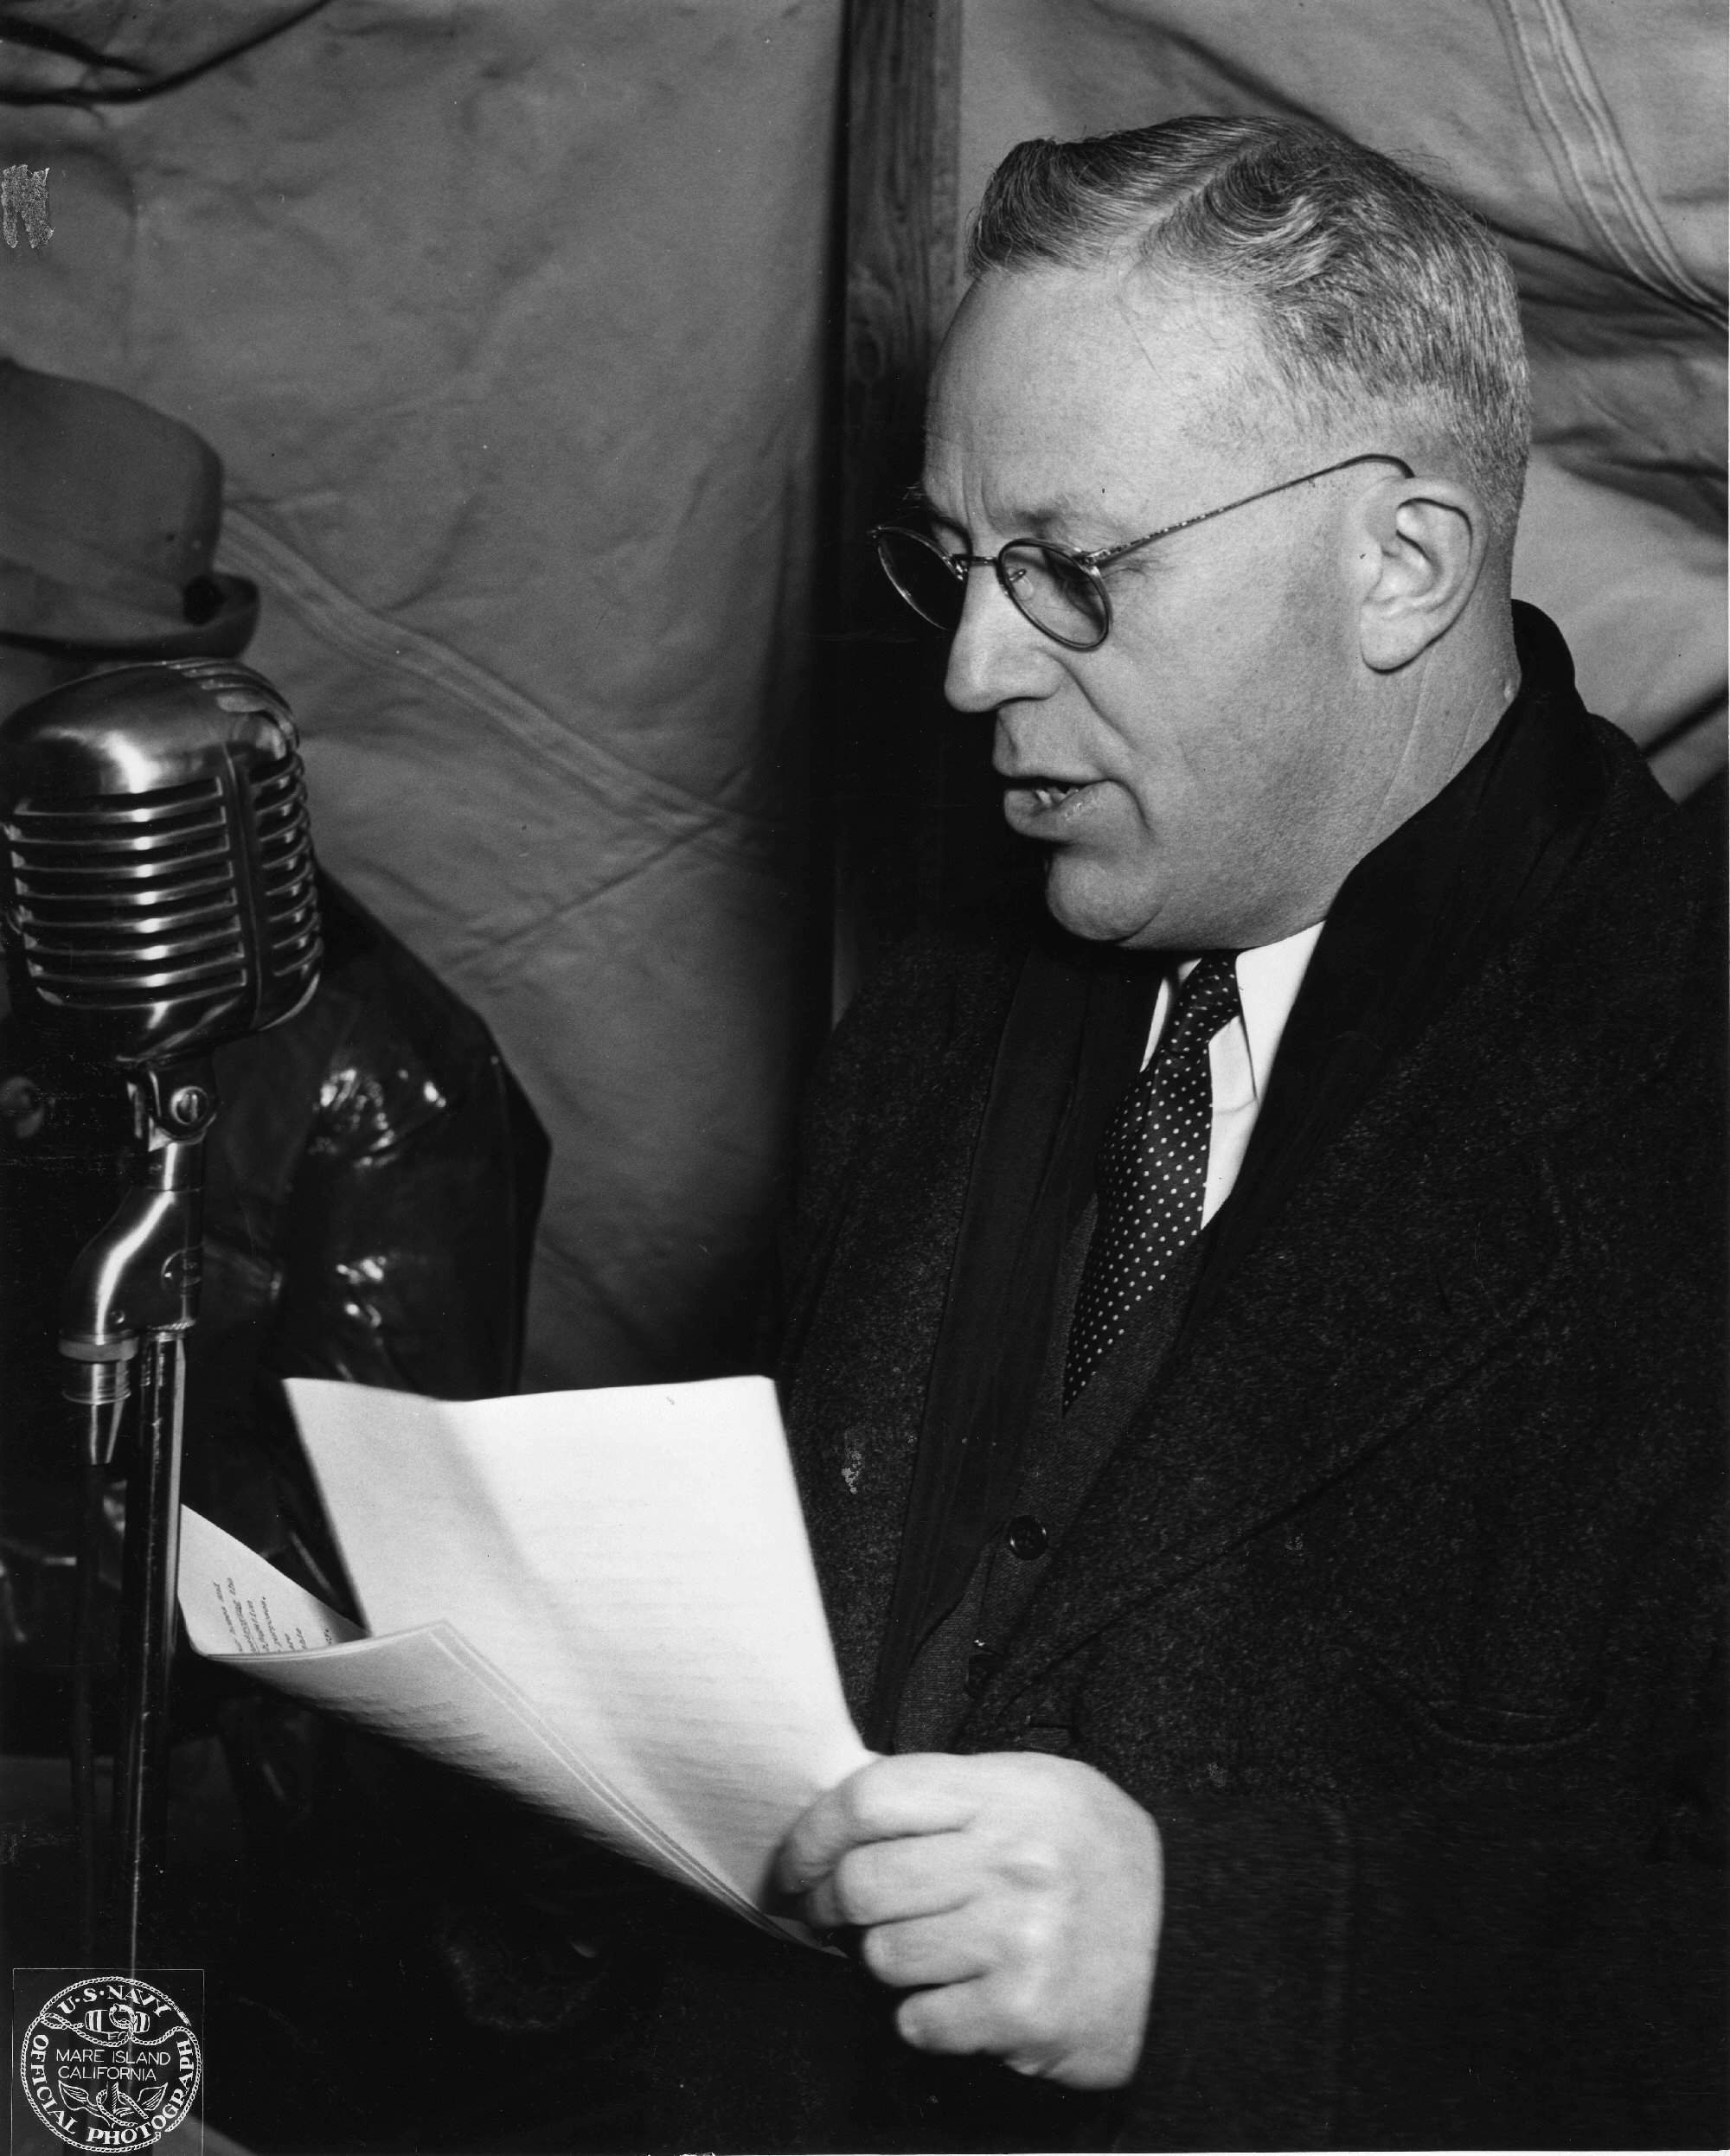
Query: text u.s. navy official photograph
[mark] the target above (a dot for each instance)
(862, 1135)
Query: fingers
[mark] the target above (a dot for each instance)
(926, 1950)
(881, 1882)
(913, 1793)
(996, 2016)
(1009, 1941)
(1015, 1897)
(969, 2016)
(956, 2018)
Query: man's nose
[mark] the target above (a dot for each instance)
(996, 655)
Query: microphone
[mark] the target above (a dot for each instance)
(157, 897)
(158, 900)
(157, 873)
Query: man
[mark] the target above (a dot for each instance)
(1253, 1364)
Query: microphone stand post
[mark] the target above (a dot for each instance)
(131, 1297)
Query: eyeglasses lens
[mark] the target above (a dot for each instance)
(1055, 595)
(922, 577)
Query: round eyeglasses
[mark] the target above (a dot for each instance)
(1061, 591)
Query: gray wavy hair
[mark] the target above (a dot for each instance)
(1369, 284)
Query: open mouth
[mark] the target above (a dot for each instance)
(1042, 791)
(1039, 804)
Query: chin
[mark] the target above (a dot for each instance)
(1092, 906)
(1104, 909)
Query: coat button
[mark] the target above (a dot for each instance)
(1026, 1538)
(22, 1106)
(982, 1666)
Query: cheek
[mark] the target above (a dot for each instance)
(1205, 752)
(1211, 698)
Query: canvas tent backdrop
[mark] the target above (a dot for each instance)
(507, 317)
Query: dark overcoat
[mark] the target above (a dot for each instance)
(1395, 1603)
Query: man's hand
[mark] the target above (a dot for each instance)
(1017, 1894)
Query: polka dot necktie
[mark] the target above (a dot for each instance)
(1152, 1171)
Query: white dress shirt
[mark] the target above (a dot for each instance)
(1241, 1055)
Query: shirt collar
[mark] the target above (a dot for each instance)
(1268, 981)
(1269, 978)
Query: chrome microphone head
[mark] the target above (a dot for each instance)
(155, 861)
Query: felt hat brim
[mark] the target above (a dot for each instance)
(37, 614)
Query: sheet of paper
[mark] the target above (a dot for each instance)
(234, 1603)
(427, 1689)
(634, 1561)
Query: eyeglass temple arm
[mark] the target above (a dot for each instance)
(1108, 555)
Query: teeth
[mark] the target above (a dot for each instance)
(1049, 797)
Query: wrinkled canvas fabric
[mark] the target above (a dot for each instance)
(1590, 135)
(505, 317)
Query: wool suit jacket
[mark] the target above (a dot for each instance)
(1394, 1603)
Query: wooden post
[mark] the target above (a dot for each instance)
(915, 812)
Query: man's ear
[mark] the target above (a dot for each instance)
(1425, 547)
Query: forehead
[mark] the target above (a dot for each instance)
(1080, 390)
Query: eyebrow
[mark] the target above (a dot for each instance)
(1036, 523)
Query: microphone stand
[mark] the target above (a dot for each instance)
(131, 1297)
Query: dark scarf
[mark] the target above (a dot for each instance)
(1413, 923)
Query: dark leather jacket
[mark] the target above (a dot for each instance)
(372, 1184)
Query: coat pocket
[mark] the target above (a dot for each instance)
(1460, 1719)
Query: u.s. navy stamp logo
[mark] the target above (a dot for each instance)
(110, 2063)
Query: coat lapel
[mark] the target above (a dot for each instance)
(1338, 1333)
(1414, 925)
(1070, 1045)
(1409, 1252)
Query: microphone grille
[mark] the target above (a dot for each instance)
(154, 919)
(283, 833)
